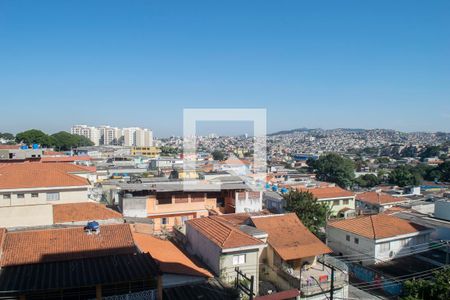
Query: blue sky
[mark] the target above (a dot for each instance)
(328, 64)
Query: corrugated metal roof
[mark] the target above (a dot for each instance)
(78, 273)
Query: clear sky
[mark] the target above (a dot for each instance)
(328, 64)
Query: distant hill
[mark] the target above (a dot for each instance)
(349, 130)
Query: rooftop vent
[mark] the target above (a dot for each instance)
(92, 227)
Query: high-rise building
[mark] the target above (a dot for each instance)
(107, 135)
(140, 137)
(110, 135)
(89, 132)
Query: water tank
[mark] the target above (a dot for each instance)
(93, 225)
(274, 188)
(284, 190)
(268, 186)
(35, 146)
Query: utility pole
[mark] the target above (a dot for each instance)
(332, 283)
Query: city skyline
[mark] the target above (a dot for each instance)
(339, 65)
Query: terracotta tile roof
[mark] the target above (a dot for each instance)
(377, 226)
(36, 246)
(327, 192)
(84, 211)
(65, 158)
(2, 239)
(170, 258)
(9, 147)
(239, 218)
(222, 234)
(289, 237)
(377, 198)
(37, 175)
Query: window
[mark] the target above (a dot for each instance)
(345, 202)
(6, 196)
(347, 237)
(164, 221)
(34, 195)
(20, 196)
(52, 196)
(385, 247)
(239, 259)
(404, 242)
(336, 202)
(356, 240)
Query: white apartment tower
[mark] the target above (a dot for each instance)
(89, 132)
(139, 137)
(110, 135)
(107, 135)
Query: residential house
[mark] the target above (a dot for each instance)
(291, 259)
(376, 238)
(341, 201)
(69, 263)
(170, 203)
(28, 190)
(223, 248)
(374, 202)
(176, 266)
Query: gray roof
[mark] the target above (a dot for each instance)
(253, 231)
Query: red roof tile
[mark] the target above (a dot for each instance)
(222, 234)
(170, 258)
(289, 237)
(327, 192)
(84, 211)
(377, 198)
(64, 158)
(37, 175)
(35, 246)
(377, 226)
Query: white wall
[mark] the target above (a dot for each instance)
(18, 216)
(208, 252)
(337, 241)
(442, 209)
(79, 194)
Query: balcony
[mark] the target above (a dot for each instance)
(315, 280)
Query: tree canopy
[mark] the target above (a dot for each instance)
(61, 140)
(436, 288)
(334, 168)
(65, 141)
(218, 155)
(404, 176)
(312, 213)
(367, 180)
(34, 136)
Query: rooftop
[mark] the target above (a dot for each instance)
(222, 234)
(84, 211)
(170, 258)
(378, 198)
(326, 192)
(377, 226)
(289, 237)
(38, 175)
(49, 245)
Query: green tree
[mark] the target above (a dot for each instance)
(65, 141)
(436, 288)
(312, 213)
(34, 136)
(218, 155)
(444, 170)
(404, 176)
(430, 151)
(7, 136)
(367, 180)
(334, 168)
